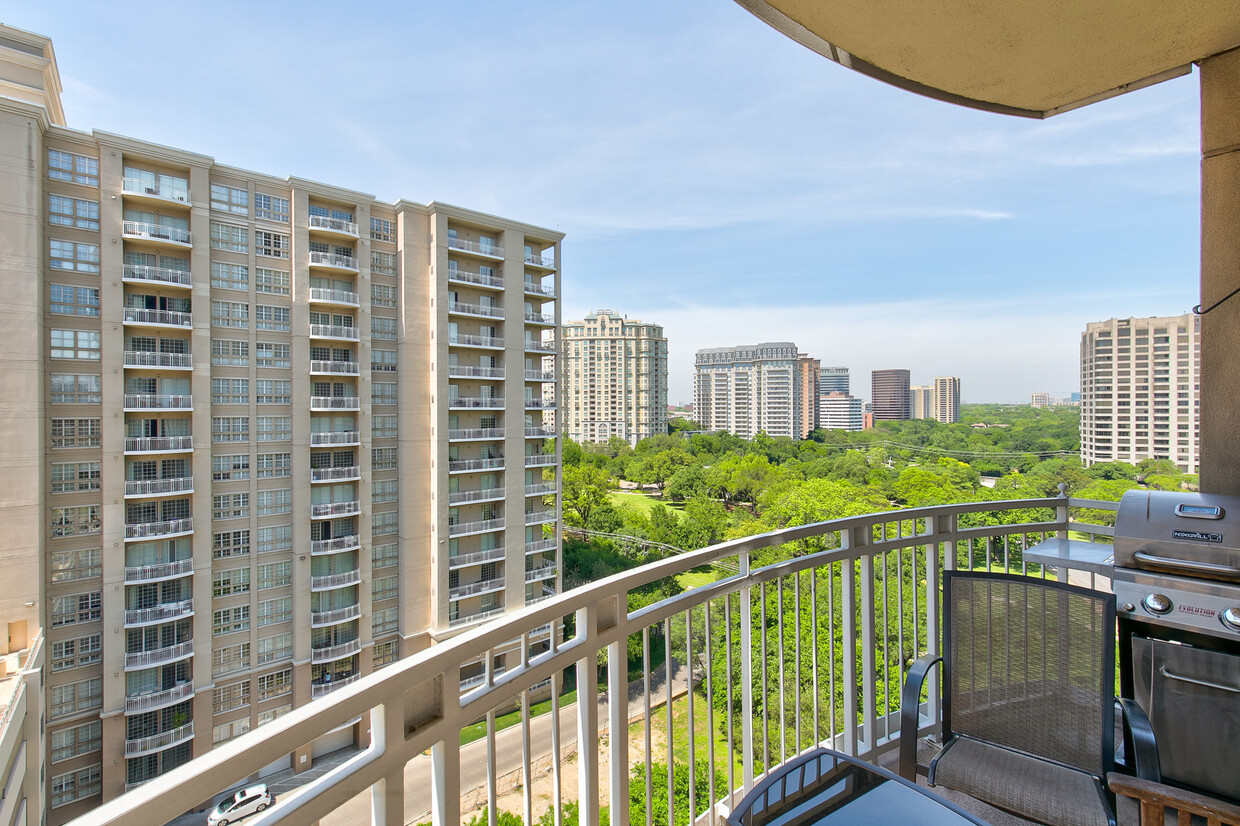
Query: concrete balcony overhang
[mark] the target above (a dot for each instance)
(1028, 59)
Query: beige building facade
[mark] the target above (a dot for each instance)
(1140, 390)
(808, 374)
(946, 399)
(749, 389)
(615, 378)
(264, 435)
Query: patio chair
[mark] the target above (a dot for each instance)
(1028, 705)
(1155, 799)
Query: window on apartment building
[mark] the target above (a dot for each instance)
(275, 428)
(72, 212)
(78, 520)
(385, 653)
(381, 392)
(383, 458)
(271, 354)
(230, 276)
(383, 621)
(383, 263)
(382, 556)
(234, 314)
(230, 505)
(275, 648)
(276, 684)
(75, 740)
(78, 784)
(382, 295)
(75, 344)
(275, 538)
(72, 168)
(383, 361)
(384, 524)
(226, 659)
(383, 427)
(233, 467)
(230, 582)
(271, 207)
(225, 544)
(271, 244)
(231, 696)
(382, 229)
(230, 199)
(227, 731)
(230, 391)
(274, 391)
(71, 433)
(275, 465)
(383, 491)
(384, 588)
(81, 563)
(74, 477)
(229, 238)
(75, 653)
(66, 299)
(272, 502)
(230, 429)
(273, 282)
(228, 620)
(72, 609)
(275, 574)
(273, 611)
(383, 328)
(72, 698)
(230, 353)
(267, 317)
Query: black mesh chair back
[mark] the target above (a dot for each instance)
(1030, 664)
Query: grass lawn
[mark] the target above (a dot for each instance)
(640, 501)
(704, 739)
(692, 579)
(513, 718)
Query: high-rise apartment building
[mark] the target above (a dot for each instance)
(890, 396)
(262, 435)
(749, 389)
(946, 399)
(1140, 390)
(833, 380)
(921, 401)
(615, 378)
(1040, 400)
(840, 412)
(808, 370)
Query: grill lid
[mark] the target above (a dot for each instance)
(1188, 534)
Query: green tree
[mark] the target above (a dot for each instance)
(583, 490)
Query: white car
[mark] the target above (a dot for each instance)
(243, 803)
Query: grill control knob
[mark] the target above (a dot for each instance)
(1231, 618)
(1157, 603)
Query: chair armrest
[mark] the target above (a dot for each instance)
(1140, 749)
(1153, 797)
(910, 701)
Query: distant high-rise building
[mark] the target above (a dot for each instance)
(946, 400)
(1040, 400)
(749, 389)
(807, 392)
(833, 380)
(615, 378)
(889, 391)
(1140, 390)
(839, 411)
(921, 401)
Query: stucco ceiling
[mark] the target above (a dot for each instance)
(1021, 57)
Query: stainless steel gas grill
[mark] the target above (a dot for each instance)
(1177, 590)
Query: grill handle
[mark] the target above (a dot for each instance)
(1163, 670)
(1186, 564)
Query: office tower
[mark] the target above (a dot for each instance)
(748, 389)
(615, 378)
(833, 380)
(1140, 390)
(889, 393)
(946, 399)
(840, 412)
(286, 435)
(921, 401)
(807, 391)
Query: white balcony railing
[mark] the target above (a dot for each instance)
(167, 612)
(159, 742)
(144, 401)
(154, 530)
(541, 488)
(469, 371)
(331, 653)
(335, 474)
(491, 249)
(477, 526)
(470, 402)
(458, 434)
(475, 558)
(461, 308)
(473, 589)
(840, 580)
(160, 318)
(335, 545)
(159, 656)
(157, 275)
(540, 433)
(158, 444)
(156, 700)
(155, 232)
(539, 318)
(336, 615)
(464, 340)
(331, 510)
(539, 346)
(538, 288)
(160, 487)
(154, 189)
(333, 331)
(335, 438)
(547, 262)
(160, 570)
(460, 497)
(465, 465)
(334, 368)
(146, 358)
(321, 689)
(539, 517)
(333, 260)
(540, 375)
(536, 574)
(540, 460)
(326, 295)
(327, 582)
(541, 545)
(323, 222)
(468, 277)
(335, 403)
(533, 403)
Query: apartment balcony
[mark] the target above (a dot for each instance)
(156, 700)
(541, 545)
(467, 465)
(546, 319)
(540, 289)
(475, 403)
(323, 225)
(460, 276)
(532, 346)
(459, 308)
(541, 489)
(332, 261)
(156, 530)
(161, 361)
(470, 683)
(154, 657)
(468, 434)
(158, 444)
(321, 619)
(540, 375)
(483, 342)
(461, 497)
(322, 689)
(539, 574)
(532, 403)
(334, 331)
(335, 545)
(140, 190)
(540, 433)
(331, 653)
(329, 582)
(474, 248)
(167, 612)
(473, 589)
(151, 401)
(333, 510)
(474, 618)
(540, 460)
(159, 742)
(324, 295)
(458, 561)
(544, 262)
(335, 403)
(157, 234)
(143, 317)
(163, 276)
(478, 526)
(333, 368)
(135, 574)
(158, 487)
(335, 438)
(335, 474)
(469, 371)
(539, 517)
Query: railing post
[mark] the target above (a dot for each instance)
(618, 730)
(1061, 512)
(446, 781)
(869, 709)
(848, 586)
(587, 721)
(387, 797)
(746, 606)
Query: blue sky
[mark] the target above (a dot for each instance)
(711, 175)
